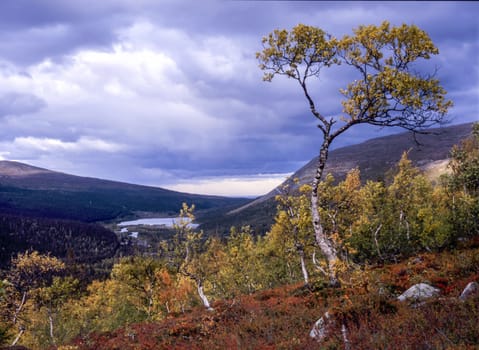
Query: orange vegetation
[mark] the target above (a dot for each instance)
(282, 318)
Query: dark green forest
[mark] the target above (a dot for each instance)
(73, 240)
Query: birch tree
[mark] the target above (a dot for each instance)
(386, 88)
(141, 274)
(187, 248)
(29, 273)
(293, 221)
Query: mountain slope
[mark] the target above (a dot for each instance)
(35, 191)
(282, 318)
(29, 190)
(374, 158)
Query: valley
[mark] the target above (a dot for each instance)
(116, 264)
(35, 192)
(239, 175)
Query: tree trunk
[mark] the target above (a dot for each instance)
(22, 330)
(202, 295)
(50, 320)
(344, 332)
(376, 240)
(303, 267)
(19, 308)
(167, 307)
(150, 301)
(199, 285)
(323, 241)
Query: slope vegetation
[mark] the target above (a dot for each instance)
(282, 318)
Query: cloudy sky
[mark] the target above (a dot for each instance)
(169, 93)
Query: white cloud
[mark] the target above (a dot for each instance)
(4, 155)
(49, 145)
(19, 104)
(138, 94)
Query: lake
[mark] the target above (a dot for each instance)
(168, 222)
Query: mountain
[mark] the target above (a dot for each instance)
(374, 158)
(33, 191)
(29, 190)
(377, 156)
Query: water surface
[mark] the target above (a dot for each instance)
(168, 222)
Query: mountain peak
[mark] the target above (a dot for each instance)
(10, 168)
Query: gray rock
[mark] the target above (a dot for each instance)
(319, 331)
(419, 292)
(471, 289)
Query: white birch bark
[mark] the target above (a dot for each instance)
(50, 321)
(20, 307)
(203, 297)
(323, 241)
(15, 341)
(303, 268)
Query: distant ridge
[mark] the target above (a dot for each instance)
(10, 168)
(30, 177)
(376, 156)
(29, 190)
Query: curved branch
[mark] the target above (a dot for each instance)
(313, 109)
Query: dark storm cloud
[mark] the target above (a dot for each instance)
(31, 31)
(19, 104)
(152, 91)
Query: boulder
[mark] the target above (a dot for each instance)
(471, 289)
(322, 328)
(419, 292)
(319, 331)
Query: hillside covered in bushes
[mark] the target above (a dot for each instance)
(249, 291)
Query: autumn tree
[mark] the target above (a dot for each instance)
(106, 305)
(371, 225)
(188, 245)
(338, 208)
(465, 163)
(462, 185)
(142, 276)
(292, 223)
(48, 302)
(242, 266)
(30, 272)
(411, 215)
(5, 323)
(386, 89)
(379, 222)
